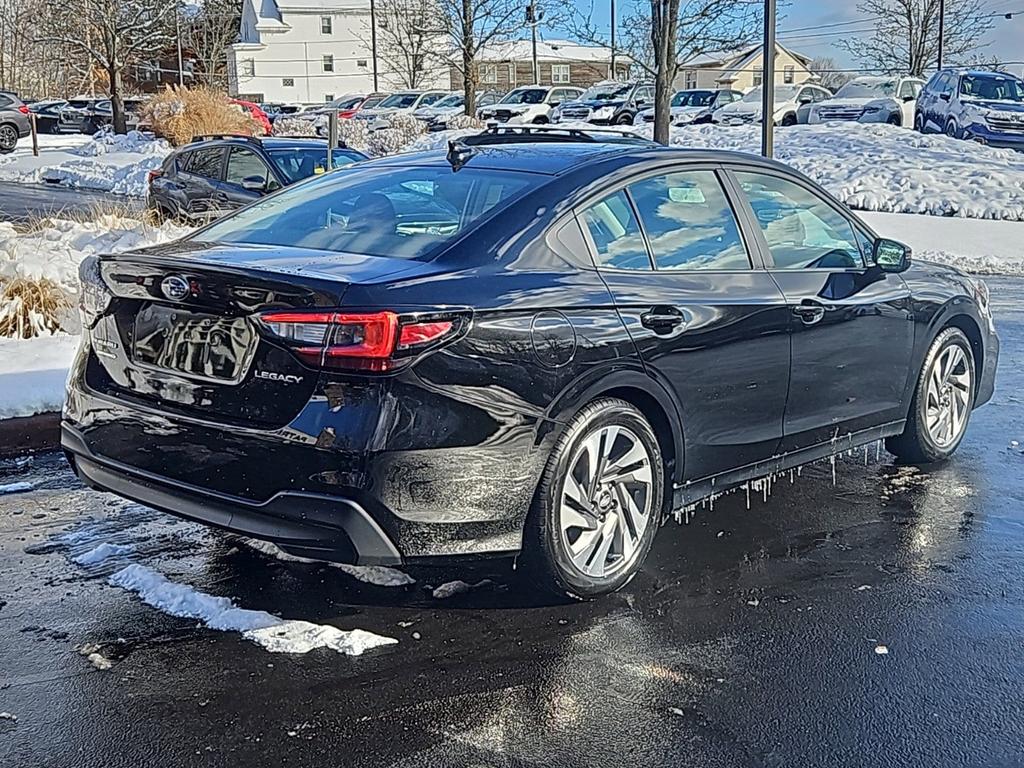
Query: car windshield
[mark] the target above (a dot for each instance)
(297, 163)
(867, 89)
(992, 87)
(405, 213)
(606, 92)
(450, 101)
(783, 93)
(399, 101)
(345, 102)
(693, 99)
(525, 96)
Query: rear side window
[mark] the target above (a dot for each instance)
(689, 222)
(5, 101)
(403, 212)
(206, 162)
(613, 227)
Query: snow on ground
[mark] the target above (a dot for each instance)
(378, 575)
(32, 374)
(107, 162)
(869, 167)
(981, 247)
(15, 488)
(273, 633)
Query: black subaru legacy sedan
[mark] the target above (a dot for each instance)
(539, 348)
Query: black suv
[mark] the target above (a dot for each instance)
(609, 103)
(545, 347)
(212, 175)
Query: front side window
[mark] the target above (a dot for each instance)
(300, 163)
(244, 164)
(406, 213)
(802, 230)
(399, 101)
(689, 222)
(525, 96)
(616, 234)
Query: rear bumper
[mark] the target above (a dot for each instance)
(316, 525)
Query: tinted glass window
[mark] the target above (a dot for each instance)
(301, 163)
(689, 222)
(206, 162)
(616, 234)
(430, 98)
(242, 164)
(403, 213)
(802, 230)
(5, 101)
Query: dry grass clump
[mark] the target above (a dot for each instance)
(32, 308)
(178, 114)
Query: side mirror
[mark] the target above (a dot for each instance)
(909, 98)
(641, 102)
(891, 256)
(944, 96)
(254, 184)
(554, 103)
(805, 100)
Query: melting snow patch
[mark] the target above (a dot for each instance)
(102, 552)
(881, 650)
(453, 588)
(15, 488)
(273, 633)
(9, 716)
(378, 575)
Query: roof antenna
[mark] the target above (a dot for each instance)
(458, 154)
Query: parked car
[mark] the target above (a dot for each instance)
(607, 103)
(346, 106)
(539, 349)
(529, 104)
(870, 100)
(206, 178)
(257, 114)
(693, 107)
(788, 98)
(73, 114)
(14, 122)
(400, 103)
(47, 114)
(987, 107)
(437, 115)
(101, 113)
(276, 110)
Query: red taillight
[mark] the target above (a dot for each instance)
(23, 109)
(361, 341)
(153, 175)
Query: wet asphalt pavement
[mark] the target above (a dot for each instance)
(751, 638)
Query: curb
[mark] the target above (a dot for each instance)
(29, 434)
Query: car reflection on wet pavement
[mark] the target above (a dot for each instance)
(873, 622)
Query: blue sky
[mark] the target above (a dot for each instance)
(809, 35)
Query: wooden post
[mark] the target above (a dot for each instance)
(35, 134)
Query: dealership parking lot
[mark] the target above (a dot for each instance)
(875, 622)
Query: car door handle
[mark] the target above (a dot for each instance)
(809, 312)
(663, 319)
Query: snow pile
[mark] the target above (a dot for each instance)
(32, 374)
(869, 167)
(15, 488)
(107, 162)
(273, 633)
(377, 575)
(103, 552)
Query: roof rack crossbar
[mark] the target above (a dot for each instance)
(217, 136)
(509, 134)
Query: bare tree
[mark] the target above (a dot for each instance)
(472, 25)
(661, 34)
(112, 35)
(829, 73)
(410, 36)
(906, 33)
(28, 66)
(207, 31)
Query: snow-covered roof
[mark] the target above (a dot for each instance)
(548, 50)
(333, 6)
(738, 59)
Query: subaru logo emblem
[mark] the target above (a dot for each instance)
(175, 288)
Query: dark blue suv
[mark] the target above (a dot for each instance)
(213, 175)
(983, 106)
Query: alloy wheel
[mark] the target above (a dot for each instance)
(8, 137)
(606, 501)
(948, 398)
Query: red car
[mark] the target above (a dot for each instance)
(257, 114)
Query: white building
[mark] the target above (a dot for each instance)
(308, 51)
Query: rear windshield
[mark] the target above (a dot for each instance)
(406, 212)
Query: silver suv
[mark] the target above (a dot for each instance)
(14, 122)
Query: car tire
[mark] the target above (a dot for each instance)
(626, 119)
(895, 119)
(8, 138)
(788, 120)
(919, 123)
(584, 542)
(941, 406)
(540, 120)
(951, 130)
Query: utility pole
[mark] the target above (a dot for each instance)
(177, 31)
(613, 77)
(373, 42)
(942, 28)
(768, 79)
(533, 18)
